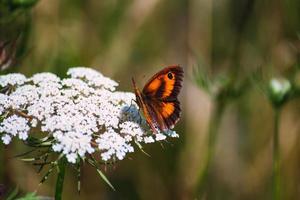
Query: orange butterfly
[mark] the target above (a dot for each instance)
(158, 100)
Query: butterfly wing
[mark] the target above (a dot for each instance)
(160, 95)
(149, 113)
(165, 114)
(164, 85)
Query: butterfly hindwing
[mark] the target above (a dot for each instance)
(168, 112)
(171, 112)
(156, 117)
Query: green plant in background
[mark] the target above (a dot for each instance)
(31, 196)
(229, 86)
(15, 195)
(278, 93)
(222, 90)
(15, 22)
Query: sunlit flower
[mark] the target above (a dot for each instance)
(113, 144)
(12, 79)
(279, 89)
(280, 86)
(14, 126)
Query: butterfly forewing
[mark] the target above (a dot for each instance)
(166, 84)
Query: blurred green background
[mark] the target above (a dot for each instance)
(125, 38)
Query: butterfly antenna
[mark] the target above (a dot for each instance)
(133, 82)
(134, 86)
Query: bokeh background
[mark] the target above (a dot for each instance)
(215, 38)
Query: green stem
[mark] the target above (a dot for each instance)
(2, 167)
(276, 157)
(214, 125)
(60, 178)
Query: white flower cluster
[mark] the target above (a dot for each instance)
(83, 113)
(13, 126)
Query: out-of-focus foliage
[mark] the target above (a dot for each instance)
(230, 39)
(15, 21)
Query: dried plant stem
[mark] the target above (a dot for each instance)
(276, 156)
(214, 125)
(60, 178)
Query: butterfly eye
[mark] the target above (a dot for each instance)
(170, 75)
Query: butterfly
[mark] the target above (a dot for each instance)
(158, 99)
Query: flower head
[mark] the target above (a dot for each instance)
(14, 126)
(82, 114)
(279, 90)
(12, 79)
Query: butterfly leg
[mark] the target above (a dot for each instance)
(132, 100)
(140, 120)
(127, 109)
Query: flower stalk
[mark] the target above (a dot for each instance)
(60, 178)
(222, 89)
(279, 92)
(276, 156)
(215, 122)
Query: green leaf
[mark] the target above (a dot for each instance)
(29, 196)
(26, 153)
(13, 194)
(141, 148)
(24, 3)
(93, 162)
(50, 170)
(27, 159)
(105, 178)
(202, 79)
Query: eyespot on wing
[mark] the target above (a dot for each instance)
(165, 84)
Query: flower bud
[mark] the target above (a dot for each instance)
(279, 90)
